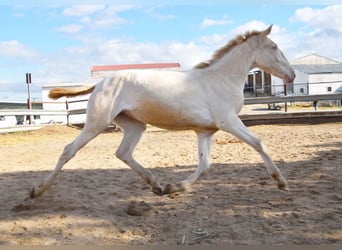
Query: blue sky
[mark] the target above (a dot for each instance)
(60, 42)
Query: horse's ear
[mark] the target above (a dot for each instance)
(267, 31)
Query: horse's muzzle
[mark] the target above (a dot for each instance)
(289, 78)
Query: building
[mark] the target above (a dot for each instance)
(315, 74)
(80, 102)
(259, 82)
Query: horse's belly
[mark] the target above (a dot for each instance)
(173, 119)
(179, 123)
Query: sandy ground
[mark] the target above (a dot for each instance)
(97, 199)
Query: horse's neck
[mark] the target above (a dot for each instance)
(235, 65)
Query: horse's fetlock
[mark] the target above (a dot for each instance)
(32, 195)
(275, 176)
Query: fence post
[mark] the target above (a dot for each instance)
(67, 110)
(285, 94)
(29, 105)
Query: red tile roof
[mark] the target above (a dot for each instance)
(135, 66)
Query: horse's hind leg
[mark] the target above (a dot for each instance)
(204, 145)
(132, 132)
(88, 133)
(235, 126)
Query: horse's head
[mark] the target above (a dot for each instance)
(271, 59)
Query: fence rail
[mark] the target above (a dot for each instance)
(297, 98)
(10, 112)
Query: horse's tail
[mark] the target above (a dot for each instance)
(60, 92)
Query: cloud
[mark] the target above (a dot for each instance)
(93, 17)
(251, 25)
(3, 82)
(119, 51)
(14, 48)
(107, 18)
(326, 18)
(71, 28)
(322, 33)
(82, 10)
(74, 63)
(212, 22)
(154, 12)
(125, 51)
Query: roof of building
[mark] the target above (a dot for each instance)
(316, 64)
(313, 59)
(320, 68)
(134, 66)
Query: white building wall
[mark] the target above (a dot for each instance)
(277, 85)
(310, 84)
(325, 83)
(300, 85)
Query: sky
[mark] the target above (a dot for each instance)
(60, 42)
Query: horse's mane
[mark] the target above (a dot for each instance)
(225, 49)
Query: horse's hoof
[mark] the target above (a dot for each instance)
(157, 190)
(283, 186)
(167, 189)
(32, 196)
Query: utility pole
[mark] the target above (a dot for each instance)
(29, 105)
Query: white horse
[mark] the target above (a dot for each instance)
(205, 99)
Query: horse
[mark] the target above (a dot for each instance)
(205, 99)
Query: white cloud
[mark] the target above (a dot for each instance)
(122, 51)
(13, 48)
(71, 28)
(322, 33)
(117, 51)
(82, 10)
(214, 22)
(214, 39)
(3, 82)
(154, 12)
(91, 17)
(251, 25)
(326, 18)
(109, 16)
(74, 63)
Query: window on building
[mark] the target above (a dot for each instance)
(301, 90)
(329, 89)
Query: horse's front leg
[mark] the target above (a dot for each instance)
(204, 145)
(235, 126)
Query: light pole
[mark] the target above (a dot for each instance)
(29, 106)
